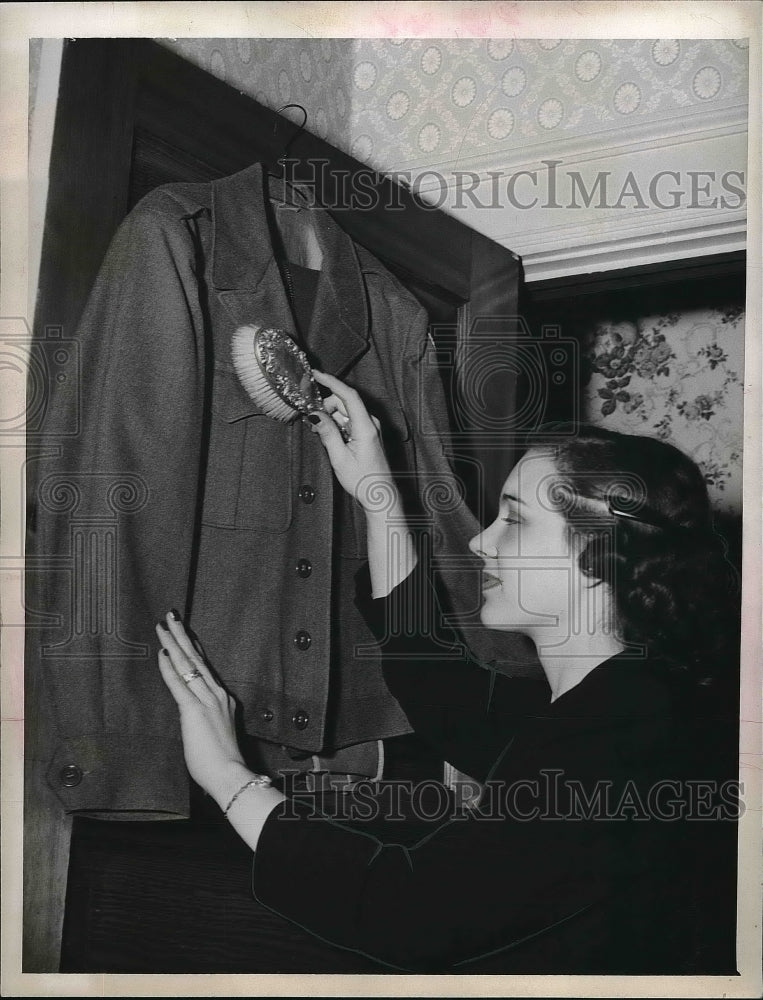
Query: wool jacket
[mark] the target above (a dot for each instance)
(581, 857)
(174, 490)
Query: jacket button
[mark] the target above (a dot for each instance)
(70, 775)
(301, 719)
(304, 568)
(307, 494)
(303, 640)
(267, 715)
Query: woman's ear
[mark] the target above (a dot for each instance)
(592, 556)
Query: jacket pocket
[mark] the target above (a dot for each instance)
(249, 464)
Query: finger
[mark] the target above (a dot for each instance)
(205, 669)
(198, 646)
(177, 688)
(184, 641)
(353, 405)
(330, 381)
(331, 438)
(183, 665)
(336, 409)
(343, 423)
(333, 404)
(177, 630)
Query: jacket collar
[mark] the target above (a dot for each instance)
(243, 261)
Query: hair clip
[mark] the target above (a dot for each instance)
(646, 516)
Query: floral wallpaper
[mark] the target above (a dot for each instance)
(679, 377)
(409, 103)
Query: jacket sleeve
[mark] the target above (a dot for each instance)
(441, 503)
(116, 514)
(461, 707)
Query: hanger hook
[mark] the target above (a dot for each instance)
(296, 134)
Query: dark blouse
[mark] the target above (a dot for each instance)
(573, 861)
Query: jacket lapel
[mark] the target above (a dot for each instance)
(338, 334)
(248, 280)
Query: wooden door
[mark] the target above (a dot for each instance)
(132, 115)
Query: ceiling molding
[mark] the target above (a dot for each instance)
(650, 224)
(676, 130)
(628, 247)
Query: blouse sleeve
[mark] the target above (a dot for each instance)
(475, 885)
(463, 708)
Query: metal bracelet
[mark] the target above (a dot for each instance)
(259, 779)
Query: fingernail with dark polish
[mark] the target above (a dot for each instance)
(174, 615)
(313, 418)
(162, 625)
(165, 652)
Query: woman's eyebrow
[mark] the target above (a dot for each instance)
(510, 496)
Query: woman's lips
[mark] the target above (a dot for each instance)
(489, 581)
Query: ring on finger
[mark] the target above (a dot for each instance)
(190, 676)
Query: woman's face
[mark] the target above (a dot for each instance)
(530, 574)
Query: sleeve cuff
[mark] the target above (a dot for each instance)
(312, 871)
(137, 776)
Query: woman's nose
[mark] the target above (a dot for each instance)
(480, 545)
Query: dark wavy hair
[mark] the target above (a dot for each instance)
(644, 513)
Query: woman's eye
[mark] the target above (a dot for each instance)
(510, 520)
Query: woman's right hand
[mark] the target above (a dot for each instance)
(362, 468)
(359, 462)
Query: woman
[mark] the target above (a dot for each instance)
(602, 552)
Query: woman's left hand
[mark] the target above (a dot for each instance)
(207, 711)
